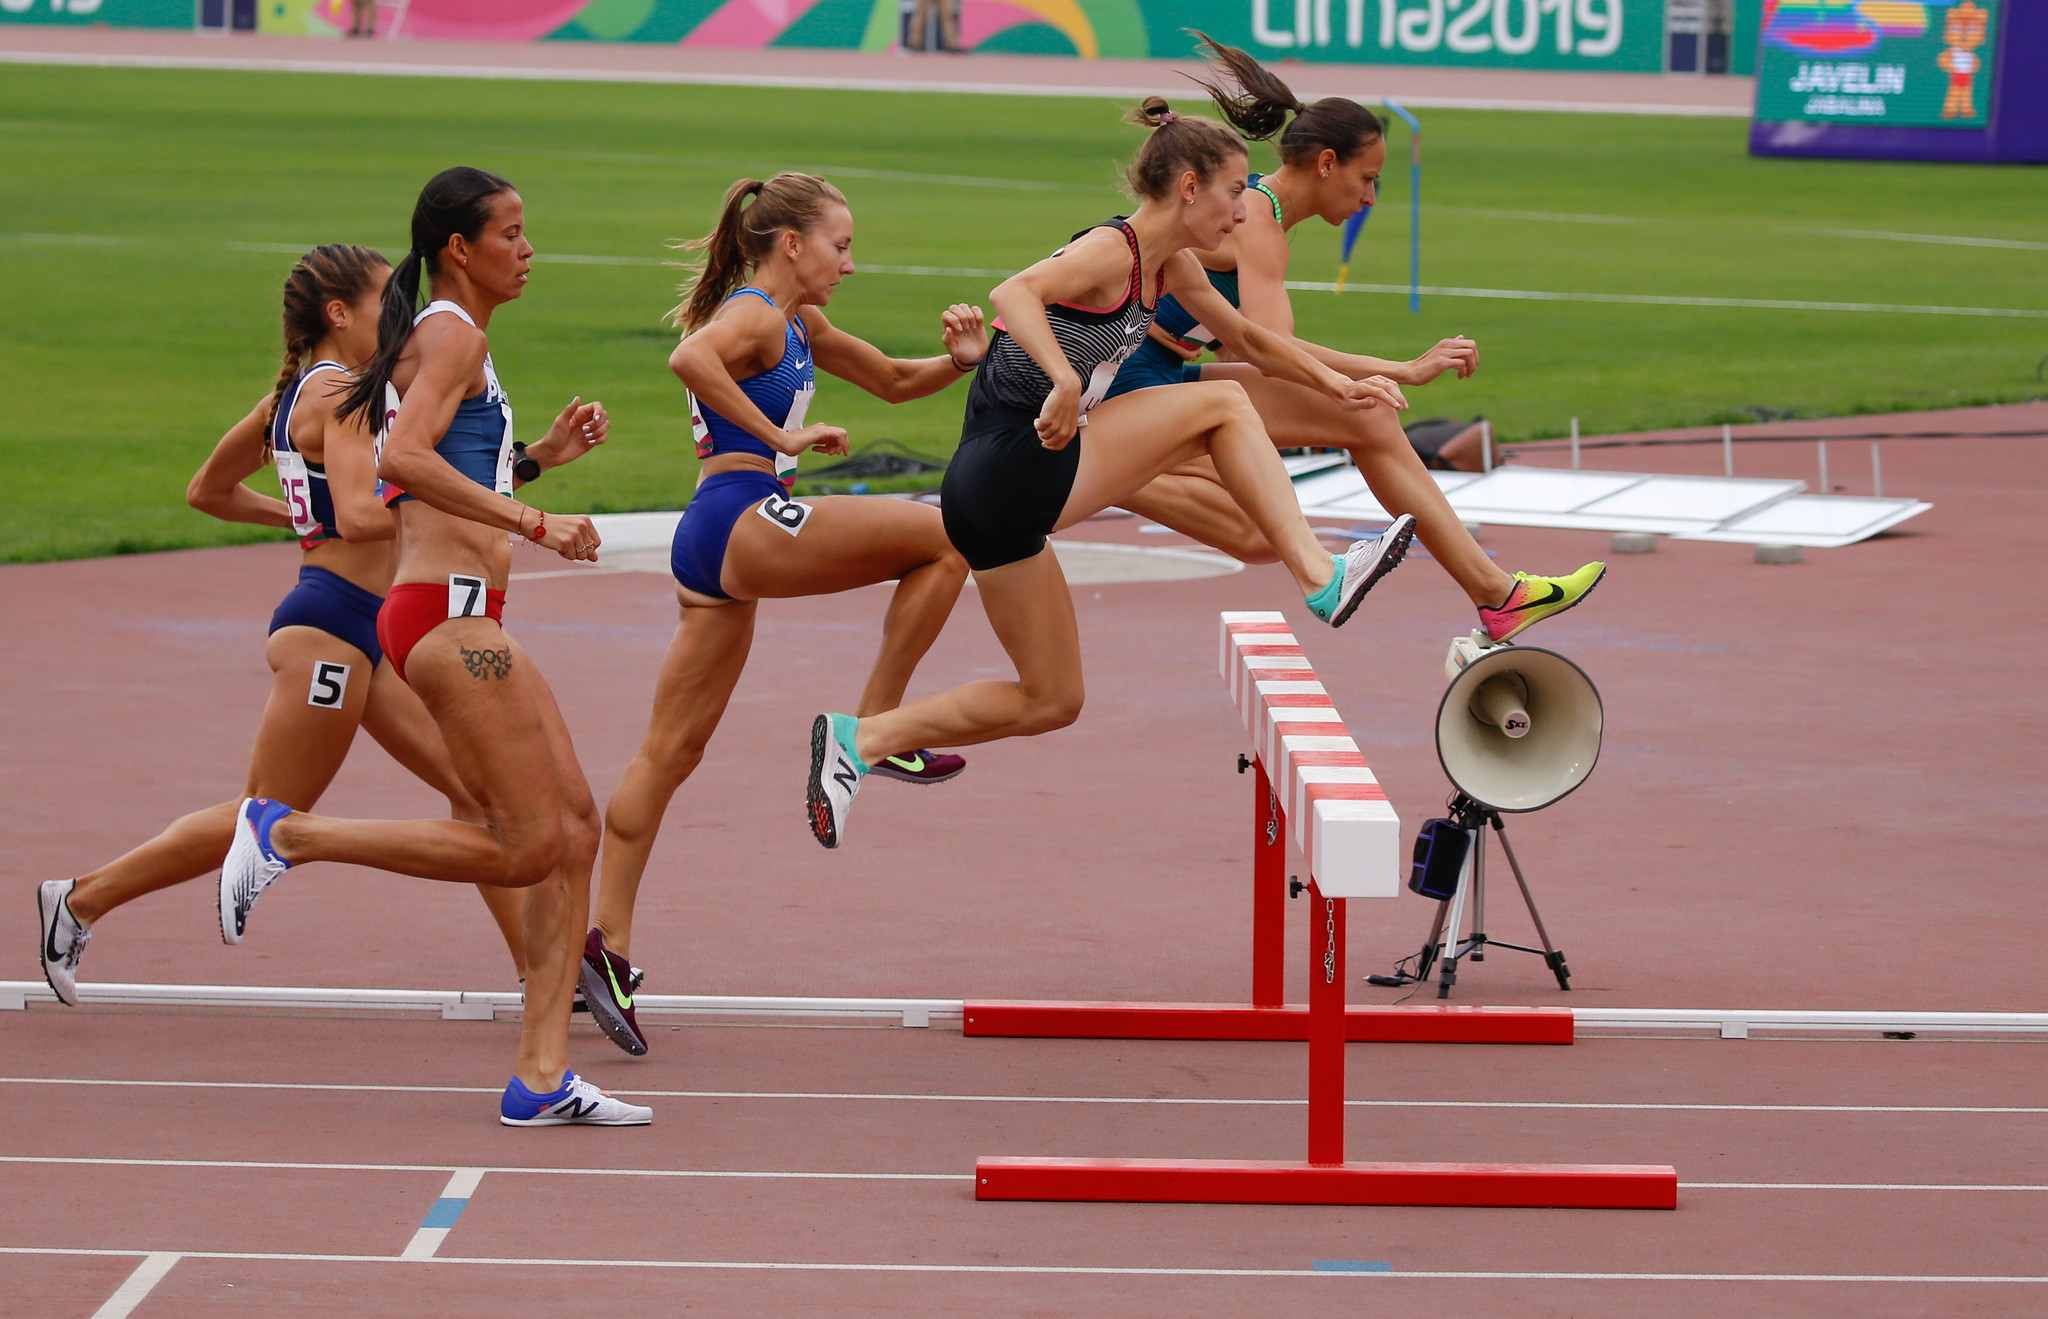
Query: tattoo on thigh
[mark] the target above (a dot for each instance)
(487, 664)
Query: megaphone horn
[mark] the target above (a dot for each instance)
(1519, 727)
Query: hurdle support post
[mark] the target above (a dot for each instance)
(1325, 1028)
(1269, 891)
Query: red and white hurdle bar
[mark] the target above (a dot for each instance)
(1340, 813)
(1350, 838)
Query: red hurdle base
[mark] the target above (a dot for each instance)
(1240, 1021)
(1229, 1181)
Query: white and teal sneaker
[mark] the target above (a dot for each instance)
(1359, 569)
(252, 864)
(836, 773)
(64, 938)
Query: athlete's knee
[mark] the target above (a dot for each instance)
(1047, 710)
(1376, 428)
(1227, 399)
(534, 853)
(1247, 545)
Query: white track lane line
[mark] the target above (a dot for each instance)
(138, 1286)
(467, 1177)
(1086, 1270)
(835, 1096)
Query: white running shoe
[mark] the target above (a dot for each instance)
(1361, 569)
(577, 1103)
(64, 938)
(836, 774)
(251, 865)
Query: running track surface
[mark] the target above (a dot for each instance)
(1821, 789)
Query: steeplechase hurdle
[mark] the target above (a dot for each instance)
(1349, 836)
(1339, 812)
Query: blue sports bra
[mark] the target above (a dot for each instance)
(304, 483)
(1175, 319)
(783, 393)
(478, 441)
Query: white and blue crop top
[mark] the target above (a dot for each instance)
(478, 441)
(783, 393)
(304, 483)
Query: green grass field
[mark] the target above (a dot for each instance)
(147, 219)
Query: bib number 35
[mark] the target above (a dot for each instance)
(785, 513)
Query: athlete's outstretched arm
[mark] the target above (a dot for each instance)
(216, 489)
(1274, 354)
(712, 359)
(895, 379)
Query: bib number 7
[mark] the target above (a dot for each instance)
(465, 596)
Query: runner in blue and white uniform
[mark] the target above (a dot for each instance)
(1331, 154)
(1026, 466)
(330, 674)
(757, 336)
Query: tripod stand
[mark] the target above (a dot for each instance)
(1444, 946)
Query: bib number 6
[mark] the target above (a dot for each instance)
(785, 513)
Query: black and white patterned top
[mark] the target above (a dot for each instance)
(1096, 341)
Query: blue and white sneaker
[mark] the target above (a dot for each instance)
(836, 773)
(64, 938)
(1359, 570)
(577, 1103)
(252, 864)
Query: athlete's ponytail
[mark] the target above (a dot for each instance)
(745, 235)
(455, 201)
(1179, 143)
(332, 272)
(1260, 106)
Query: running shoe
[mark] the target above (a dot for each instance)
(605, 981)
(64, 938)
(1359, 570)
(921, 767)
(1533, 599)
(252, 864)
(836, 772)
(577, 1103)
(576, 1003)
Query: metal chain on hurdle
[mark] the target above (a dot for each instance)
(1330, 937)
(1272, 816)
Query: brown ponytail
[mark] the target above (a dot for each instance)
(745, 235)
(1260, 106)
(332, 272)
(1178, 143)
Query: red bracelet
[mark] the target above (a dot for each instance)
(540, 527)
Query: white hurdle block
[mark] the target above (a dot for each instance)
(1343, 824)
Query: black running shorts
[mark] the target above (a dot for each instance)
(1004, 490)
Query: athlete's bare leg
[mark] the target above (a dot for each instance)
(1299, 417)
(846, 542)
(1185, 500)
(1128, 441)
(299, 749)
(510, 748)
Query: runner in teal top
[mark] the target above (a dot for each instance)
(1330, 153)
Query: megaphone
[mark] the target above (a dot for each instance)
(1519, 727)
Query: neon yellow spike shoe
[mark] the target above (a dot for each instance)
(1534, 599)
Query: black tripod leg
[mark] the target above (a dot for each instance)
(1551, 956)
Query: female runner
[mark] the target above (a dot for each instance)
(1331, 154)
(1024, 469)
(755, 329)
(329, 672)
(448, 445)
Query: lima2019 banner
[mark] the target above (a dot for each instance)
(1602, 35)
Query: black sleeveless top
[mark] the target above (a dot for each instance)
(1096, 341)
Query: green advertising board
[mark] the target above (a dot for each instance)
(1888, 63)
(1606, 35)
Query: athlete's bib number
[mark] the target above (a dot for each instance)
(785, 513)
(1102, 378)
(799, 408)
(330, 684)
(465, 596)
(297, 484)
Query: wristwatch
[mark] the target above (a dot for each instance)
(524, 466)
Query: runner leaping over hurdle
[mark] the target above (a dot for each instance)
(1023, 470)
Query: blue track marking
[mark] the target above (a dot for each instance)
(445, 1212)
(1351, 1266)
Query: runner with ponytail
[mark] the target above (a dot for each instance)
(1041, 450)
(1331, 154)
(447, 443)
(755, 334)
(329, 674)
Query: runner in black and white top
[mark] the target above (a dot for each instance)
(1023, 469)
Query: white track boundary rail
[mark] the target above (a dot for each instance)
(473, 1005)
